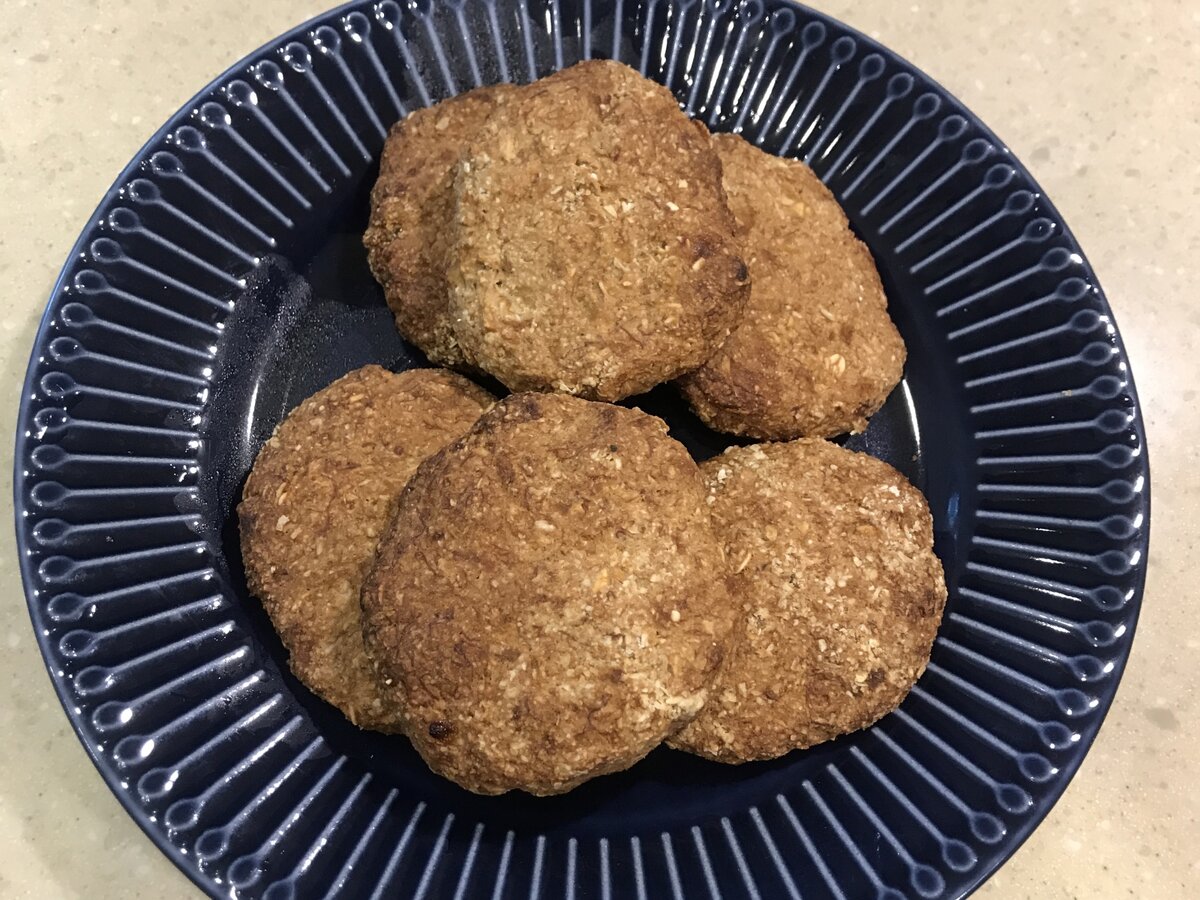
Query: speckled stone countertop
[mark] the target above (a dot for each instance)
(1101, 98)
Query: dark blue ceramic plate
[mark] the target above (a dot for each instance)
(222, 280)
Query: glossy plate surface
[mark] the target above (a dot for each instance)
(222, 280)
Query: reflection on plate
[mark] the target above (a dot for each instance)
(224, 280)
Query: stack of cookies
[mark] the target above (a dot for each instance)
(541, 589)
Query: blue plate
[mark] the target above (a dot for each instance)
(222, 280)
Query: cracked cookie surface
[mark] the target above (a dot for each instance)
(551, 600)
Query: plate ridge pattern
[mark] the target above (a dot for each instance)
(182, 705)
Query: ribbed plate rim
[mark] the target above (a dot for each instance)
(1017, 835)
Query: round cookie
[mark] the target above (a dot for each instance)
(550, 601)
(833, 567)
(412, 205)
(816, 353)
(316, 503)
(594, 251)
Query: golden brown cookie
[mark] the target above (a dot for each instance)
(316, 503)
(594, 251)
(833, 567)
(816, 353)
(550, 602)
(412, 206)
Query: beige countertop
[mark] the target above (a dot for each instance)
(1101, 98)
